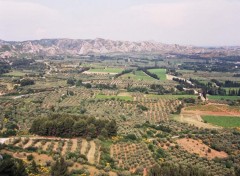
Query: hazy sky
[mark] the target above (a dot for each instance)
(191, 22)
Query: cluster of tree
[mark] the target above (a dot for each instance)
(193, 83)
(218, 83)
(4, 67)
(63, 125)
(78, 83)
(229, 83)
(186, 91)
(60, 167)
(26, 82)
(183, 83)
(172, 169)
(145, 70)
(173, 72)
(158, 88)
(71, 81)
(137, 89)
(106, 86)
(236, 75)
(233, 92)
(216, 91)
(189, 100)
(22, 63)
(217, 66)
(123, 73)
(10, 166)
(158, 127)
(10, 127)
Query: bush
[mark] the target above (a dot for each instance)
(131, 137)
(30, 157)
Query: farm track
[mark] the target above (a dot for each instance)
(195, 119)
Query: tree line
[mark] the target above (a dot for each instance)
(227, 83)
(209, 87)
(145, 70)
(62, 125)
(123, 72)
(4, 67)
(170, 169)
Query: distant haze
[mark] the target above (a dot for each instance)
(188, 22)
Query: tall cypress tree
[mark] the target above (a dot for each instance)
(60, 168)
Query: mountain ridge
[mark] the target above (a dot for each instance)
(65, 46)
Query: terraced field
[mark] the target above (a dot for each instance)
(73, 149)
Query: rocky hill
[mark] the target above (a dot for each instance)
(50, 47)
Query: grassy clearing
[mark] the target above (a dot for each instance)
(104, 97)
(161, 73)
(218, 97)
(139, 75)
(224, 121)
(15, 73)
(106, 70)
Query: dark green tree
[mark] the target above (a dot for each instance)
(60, 168)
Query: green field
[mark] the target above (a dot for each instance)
(161, 73)
(15, 73)
(105, 97)
(224, 121)
(171, 96)
(218, 97)
(106, 70)
(139, 75)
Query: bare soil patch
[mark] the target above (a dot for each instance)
(194, 118)
(74, 145)
(197, 147)
(90, 155)
(84, 146)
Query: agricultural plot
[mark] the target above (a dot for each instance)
(76, 150)
(205, 75)
(124, 112)
(218, 97)
(104, 71)
(125, 98)
(223, 121)
(161, 73)
(132, 156)
(138, 76)
(215, 109)
(109, 70)
(15, 73)
(158, 109)
(186, 158)
(170, 96)
(197, 147)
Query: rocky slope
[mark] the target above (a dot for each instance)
(51, 47)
